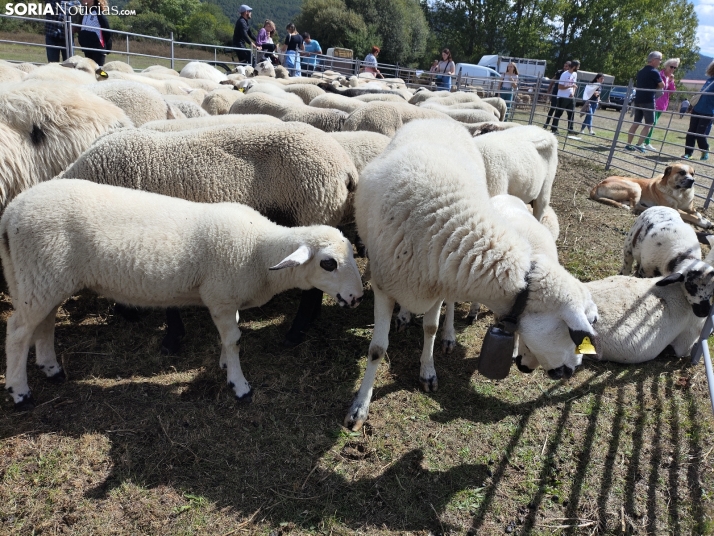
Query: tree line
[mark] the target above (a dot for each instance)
(611, 36)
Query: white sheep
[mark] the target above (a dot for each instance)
(198, 70)
(325, 119)
(638, 319)
(219, 101)
(64, 236)
(362, 146)
(662, 244)
(26, 67)
(388, 117)
(424, 213)
(9, 73)
(44, 127)
(54, 72)
(185, 105)
(499, 104)
(301, 177)
(174, 125)
(140, 102)
(522, 162)
(275, 91)
(165, 87)
(265, 68)
(121, 66)
(306, 92)
(540, 235)
(336, 102)
(160, 69)
(462, 115)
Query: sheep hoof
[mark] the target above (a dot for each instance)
(246, 398)
(128, 313)
(430, 385)
(293, 339)
(58, 377)
(26, 403)
(447, 346)
(170, 346)
(519, 364)
(356, 418)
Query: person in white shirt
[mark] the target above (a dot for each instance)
(591, 96)
(566, 97)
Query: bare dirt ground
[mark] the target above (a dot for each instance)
(139, 443)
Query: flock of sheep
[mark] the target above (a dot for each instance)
(160, 189)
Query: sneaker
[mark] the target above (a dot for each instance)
(574, 137)
(555, 131)
(649, 147)
(592, 132)
(705, 156)
(630, 148)
(686, 157)
(640, 148)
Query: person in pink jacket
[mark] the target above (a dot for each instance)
(661, 104)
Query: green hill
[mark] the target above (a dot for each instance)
(699, 71)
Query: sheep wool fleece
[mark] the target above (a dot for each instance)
(302, 177)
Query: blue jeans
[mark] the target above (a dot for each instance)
(292, 63)
(53, 54)
(443, 82)
(588, 122)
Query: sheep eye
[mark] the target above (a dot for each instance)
(328, 264)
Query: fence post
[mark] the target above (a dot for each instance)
(623, 111)
(172, 50)
(68, 38)
(458, 80)
(535, 101)
(128, 57)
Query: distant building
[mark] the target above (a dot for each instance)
(690, 85)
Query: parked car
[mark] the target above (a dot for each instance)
(617, 98)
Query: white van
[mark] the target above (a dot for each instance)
(478, 75)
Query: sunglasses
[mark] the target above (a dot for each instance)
(673, 67)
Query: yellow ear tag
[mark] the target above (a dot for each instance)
(103, 74)
(241, 89)
(585, 347)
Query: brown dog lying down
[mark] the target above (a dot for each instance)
(673, 189)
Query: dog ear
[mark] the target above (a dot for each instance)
(704, 238)
(667, 171)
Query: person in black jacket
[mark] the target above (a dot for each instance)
(93, 32)
(243, 36)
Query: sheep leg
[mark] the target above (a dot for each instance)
(473, 312)
(308, 311)
(127, 312)
(404, 318)
(427, 375)
(44, 338)
(175, 331)
(226, 320)
(383, 307)
(627, 260)
(448, 333)
(20, 330)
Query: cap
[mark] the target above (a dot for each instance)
(245, 8)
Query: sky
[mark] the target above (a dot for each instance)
(705, 31)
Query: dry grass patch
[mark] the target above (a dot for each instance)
(139, 443)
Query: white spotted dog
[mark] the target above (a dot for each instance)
(662, 244)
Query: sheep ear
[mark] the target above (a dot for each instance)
(300, 256)
(100, 74)
(582, 334)
(676, 277)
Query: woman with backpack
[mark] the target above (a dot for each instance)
(93, 32)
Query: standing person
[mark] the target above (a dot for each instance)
(54, 31)
(509, 85)
(265, 41)
(566, 97)
(553, 92)
(591, 96)
(370, 63)
(291, 47)
(242, 34)
(446, 69)
(701, 118)
(312, 49)
(93, 32)
(648, 80)
(662, 103)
